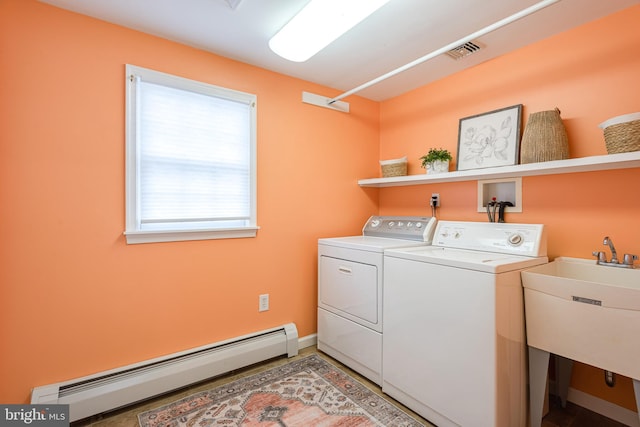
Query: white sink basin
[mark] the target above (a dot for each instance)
(585, 312)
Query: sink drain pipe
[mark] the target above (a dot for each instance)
(609, 378)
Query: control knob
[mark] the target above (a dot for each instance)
(515, 239)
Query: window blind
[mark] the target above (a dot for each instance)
(194, 160)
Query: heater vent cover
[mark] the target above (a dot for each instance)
(464, 50)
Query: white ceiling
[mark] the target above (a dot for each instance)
(398, 33)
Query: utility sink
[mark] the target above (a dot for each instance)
(586, 312)
(582, 311)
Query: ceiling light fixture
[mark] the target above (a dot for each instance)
(319, 23)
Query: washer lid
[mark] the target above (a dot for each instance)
(490, 262)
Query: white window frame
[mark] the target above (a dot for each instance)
(134, 233)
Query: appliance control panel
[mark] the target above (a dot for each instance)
(418, 228)
(507, 238)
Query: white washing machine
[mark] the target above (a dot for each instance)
(350, 286)
(453, 324)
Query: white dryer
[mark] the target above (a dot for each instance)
(350, 287)
(453, 324)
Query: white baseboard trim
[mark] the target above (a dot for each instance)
(602, 407)
(308, 341)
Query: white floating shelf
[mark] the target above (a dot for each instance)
(584, 164)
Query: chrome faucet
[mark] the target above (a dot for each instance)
(614, 254)
(627, 261)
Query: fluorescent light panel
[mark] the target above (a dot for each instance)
(319, 23)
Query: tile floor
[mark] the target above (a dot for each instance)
(571, 416)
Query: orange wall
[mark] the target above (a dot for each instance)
(590, 74)
(76, 299)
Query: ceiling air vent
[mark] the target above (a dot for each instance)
(464, 50)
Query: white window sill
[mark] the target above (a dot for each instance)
(135, 237)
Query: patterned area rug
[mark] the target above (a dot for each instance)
(309, 392)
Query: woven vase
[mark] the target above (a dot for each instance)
(544, 138)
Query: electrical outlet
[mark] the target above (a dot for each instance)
(435, 199)
(263, 302)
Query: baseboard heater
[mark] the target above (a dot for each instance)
(123, 386)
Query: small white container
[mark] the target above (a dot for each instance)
(438, 166)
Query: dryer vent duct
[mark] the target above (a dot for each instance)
(464, 50)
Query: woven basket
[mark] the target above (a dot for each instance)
(544, 138)
(622, 137)
(395, 167)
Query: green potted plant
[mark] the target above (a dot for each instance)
(436, 160)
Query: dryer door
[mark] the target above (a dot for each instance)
(350, 289)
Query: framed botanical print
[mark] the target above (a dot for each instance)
(490, 139)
